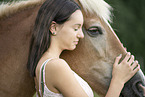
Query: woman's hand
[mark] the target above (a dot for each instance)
(121, 73)
(124, 70)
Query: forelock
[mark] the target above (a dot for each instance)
(98, 7)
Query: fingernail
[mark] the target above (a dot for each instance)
(128, 53)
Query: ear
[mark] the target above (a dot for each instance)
(53, 27)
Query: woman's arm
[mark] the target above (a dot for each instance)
(121, 73)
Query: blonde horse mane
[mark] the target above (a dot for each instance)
(98, 7)
(7, 9)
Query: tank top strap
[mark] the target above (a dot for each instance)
(42, 77)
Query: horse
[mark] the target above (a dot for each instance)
(92, 59)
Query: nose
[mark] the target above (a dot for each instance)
(139, 89)
(142, 89)
(80, 34)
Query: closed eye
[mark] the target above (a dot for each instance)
(76, 29)
(94, 31)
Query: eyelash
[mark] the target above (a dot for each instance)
(76, 29)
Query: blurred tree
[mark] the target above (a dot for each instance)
(129, 25)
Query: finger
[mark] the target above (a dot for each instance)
(125, 48)
(135, 64)
(126, 57)
(117, 59)
(136, 69)
(131, 60)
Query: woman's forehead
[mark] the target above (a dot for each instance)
(77, 17)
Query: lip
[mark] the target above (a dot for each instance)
(76, 42)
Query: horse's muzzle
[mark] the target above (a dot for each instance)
(135, 87)
(143, 88)
(138, 89)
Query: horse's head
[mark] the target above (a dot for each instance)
(94, 56)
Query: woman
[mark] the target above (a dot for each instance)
(58, 27)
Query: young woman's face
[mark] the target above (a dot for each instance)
(71, 31)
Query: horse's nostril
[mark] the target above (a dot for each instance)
(142, 88)
(138, 89)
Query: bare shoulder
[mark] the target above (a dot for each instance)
(57, 69)
(57, 64)
(60, 76)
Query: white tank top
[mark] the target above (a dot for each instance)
(48, 93)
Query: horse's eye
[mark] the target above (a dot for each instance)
(94, 31)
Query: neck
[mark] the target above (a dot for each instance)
(54, 51)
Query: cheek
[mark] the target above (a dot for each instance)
(69, 33)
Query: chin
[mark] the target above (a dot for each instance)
(72, 48)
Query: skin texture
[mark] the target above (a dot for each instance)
(96, 53)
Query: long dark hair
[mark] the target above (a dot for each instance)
(51, 10)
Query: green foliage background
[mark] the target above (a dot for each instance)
(129, 25)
